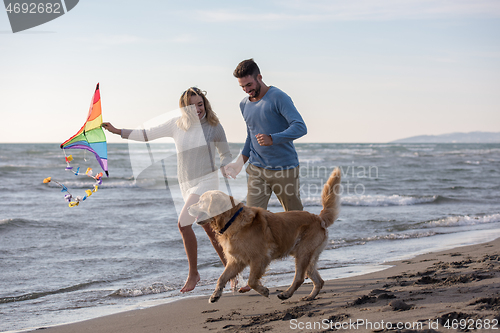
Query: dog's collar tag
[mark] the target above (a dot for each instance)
(228, 224)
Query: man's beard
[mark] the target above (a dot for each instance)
(257, 90)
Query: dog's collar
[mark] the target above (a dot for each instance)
(228, 224)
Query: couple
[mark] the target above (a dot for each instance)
(272, 122)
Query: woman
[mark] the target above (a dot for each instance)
(196, 133)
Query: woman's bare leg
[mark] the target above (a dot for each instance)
(215, 243)
(190, 243)
(219, 250)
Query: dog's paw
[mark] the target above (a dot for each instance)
(263, 291)
(307, 298)
(283, 296)
(214, 298)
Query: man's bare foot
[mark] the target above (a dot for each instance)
(190, 283)
(245, 289)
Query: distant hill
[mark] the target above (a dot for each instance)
(471, 137)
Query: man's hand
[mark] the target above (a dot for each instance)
(264, 140)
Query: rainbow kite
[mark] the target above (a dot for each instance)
(91, 136)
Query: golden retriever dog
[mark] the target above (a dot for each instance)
(254, 237)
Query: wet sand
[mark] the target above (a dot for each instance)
(451, 291)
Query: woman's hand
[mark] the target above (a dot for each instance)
(111, 128)
(233, 169)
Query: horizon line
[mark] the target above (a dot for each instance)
(295, 143)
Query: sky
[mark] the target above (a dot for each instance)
(358, 71)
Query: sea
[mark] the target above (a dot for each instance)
(121, 249)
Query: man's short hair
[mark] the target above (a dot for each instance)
(245, 68)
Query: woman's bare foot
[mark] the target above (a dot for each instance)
(245, 289)
(190, 283)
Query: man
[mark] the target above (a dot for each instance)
(273, 123)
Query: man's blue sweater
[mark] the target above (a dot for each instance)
(276, 115)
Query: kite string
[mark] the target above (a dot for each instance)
(74, 201)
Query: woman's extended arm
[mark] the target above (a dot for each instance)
(164, 130)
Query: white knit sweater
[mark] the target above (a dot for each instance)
(195, 150)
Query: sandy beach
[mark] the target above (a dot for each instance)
(451, 291)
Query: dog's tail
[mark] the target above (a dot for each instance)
(330, 198)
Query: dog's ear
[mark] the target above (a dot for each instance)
(210, 201)
(213, 224)
(219, 203)
(217, 223)
(212, 204)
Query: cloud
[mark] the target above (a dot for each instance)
(119, 39)
(184, 38)
(111, 40)
(233, 16)
(360, 10)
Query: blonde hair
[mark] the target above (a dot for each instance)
(189, 115)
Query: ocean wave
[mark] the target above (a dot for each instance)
(85, 183)
(378, 200)
(35, 295)
(420, 149)
(16, 167)
(311, 160)
(357, 152)
(155, 288)
(393, 236)
(462, 220)
(15, 222)
(463, 152)
(6, 221)
(387, 200)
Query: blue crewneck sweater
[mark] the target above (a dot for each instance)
(276, 115)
